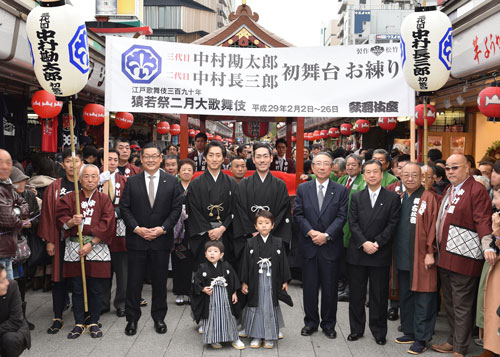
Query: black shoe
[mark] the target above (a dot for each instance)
(331, 334)
(344, 297)
(308, 331)
(30, 325)
(120, 312)
(143, 302)
(380, 341)
(160, 327)
(341, 286)
(131, 328)
(392, 314)
(354, 336)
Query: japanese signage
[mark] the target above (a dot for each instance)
(347, 81)
(477, 48)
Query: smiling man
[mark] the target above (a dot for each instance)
(210, 204)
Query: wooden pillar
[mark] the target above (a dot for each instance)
(234, 132)
(203, 126)
(184, 136)
(289, 127)
(299, 153)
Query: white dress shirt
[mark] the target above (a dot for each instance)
(264, 238)
(374, 195)
(156, 181)
(325, 186)
(263, 178)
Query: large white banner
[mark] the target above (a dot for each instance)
(340, 81)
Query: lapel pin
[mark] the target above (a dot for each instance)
(381, 204)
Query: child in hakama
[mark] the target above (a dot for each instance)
(214, 287)
(265, 272)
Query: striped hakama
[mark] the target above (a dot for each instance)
(221, 324)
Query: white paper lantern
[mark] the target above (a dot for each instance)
(426, 49)
(58, 40)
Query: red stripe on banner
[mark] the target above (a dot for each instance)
(288, 179)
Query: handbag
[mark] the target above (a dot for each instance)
(38, 252)
(464, 242)
(23, 250)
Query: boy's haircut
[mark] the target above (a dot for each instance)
(265, 214)
(216, 244)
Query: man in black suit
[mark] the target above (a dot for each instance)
(373, 218)
(320, 212)
(150, 207)
(14, 331)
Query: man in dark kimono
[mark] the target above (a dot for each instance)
(414, 260)
(198, 156)
(97, 219)
(122, 146)
(464, 216)
(261, 191)
(116, 185)
(280, 162)
(48, 231)
(209, 204)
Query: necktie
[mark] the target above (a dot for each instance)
(374, 198)
(151, 191)
(443, 217)
(349, 181)
(321, 196)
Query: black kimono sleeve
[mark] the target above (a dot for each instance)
(198, 298)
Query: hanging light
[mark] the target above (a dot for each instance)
(45, 105)
(334, 132)
(387, 123)
(163, 127)
(419, 115)
(488, 102)
(124, 120)
(362, 126)
(346, 129)
(93, 114)
(175, 129)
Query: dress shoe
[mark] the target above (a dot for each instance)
(131, 328)
(120, 312)
(380, 341)
(341, 286)
(143, 302)
(443, 348)
(344, 296)
(160, 327)
(354, 336)
(392, 314)
(486, 353)
(331, 334)
(308, 330)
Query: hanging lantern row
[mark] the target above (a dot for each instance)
(419, 115)
(334, 133)
(346, 129)
(388, 123)
(362, 126)
(488, 102)
(124, 120)
(163, 127)
(45, 105)
(93, 114)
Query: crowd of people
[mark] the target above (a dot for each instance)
(371, 228)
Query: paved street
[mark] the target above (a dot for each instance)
(182, 338)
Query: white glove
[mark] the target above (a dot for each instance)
(105, 176)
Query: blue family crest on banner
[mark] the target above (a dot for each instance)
(402, 47)
(445, 46)
(31, 53)
(141, 64)
(79, 50)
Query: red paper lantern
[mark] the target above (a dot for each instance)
(334, 132)
(124, 120)
(255, 129)
(93, 114)
(163, 127)
(311, 136)
(387, 123)
(488, 102)
(362, 126)
(346, 129)
(218, 138)
(316, 135)
(192, 133)
(196, 132)
(175, 129)
(210, 136)
(324, 134)
(294, 139)
(419, 115)
(45, 105)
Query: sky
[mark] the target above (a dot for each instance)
(299, 22)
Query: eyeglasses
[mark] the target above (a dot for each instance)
(453, 168)
(322, 163)
(150, 157)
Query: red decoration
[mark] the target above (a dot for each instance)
(346, 129)
(419, 115)
(311, 137)
(316, 135)
(175, 129)
(324, 134)
(362, 126)
(210, 136)
(488, 102)
(45, 105)
(218, 138)
(192, 133)
(93, 114)
(163, 127)
(196, 132)
(255, 129)
(387, 123)
(124, 120)
(294, 139)
(334, 132)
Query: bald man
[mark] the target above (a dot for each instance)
(13, 208)
(464, 217)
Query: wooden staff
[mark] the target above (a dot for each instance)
(77, 200)
(106, 185)
(426, 143)
(412, 138)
